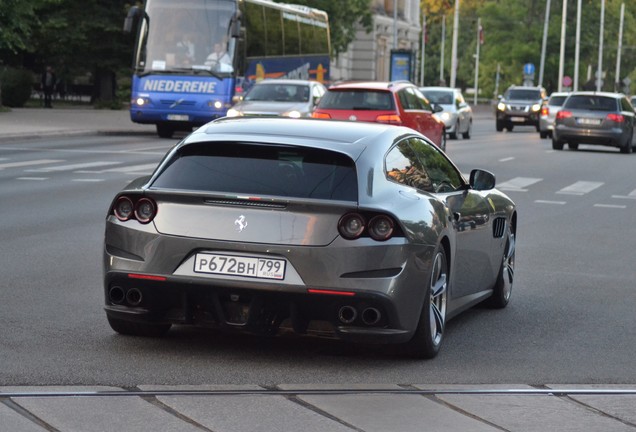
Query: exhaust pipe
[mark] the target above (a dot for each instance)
(116, 295)
(133, 296)
(371, 316)
(347, 314)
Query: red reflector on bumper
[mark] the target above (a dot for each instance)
(146, 277)
(330, 292)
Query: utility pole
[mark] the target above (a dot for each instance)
(454, 55)
(479, 39)
(599, 71)
(441, 62)
(562, 54)
(577, 48)
(617, 77)
(423, 50)
(545, 40)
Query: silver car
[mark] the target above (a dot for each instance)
(599, 118)
(279, 97)
(457, 115)
(548, 113)
(365, 232)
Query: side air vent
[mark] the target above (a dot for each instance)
(499, 227)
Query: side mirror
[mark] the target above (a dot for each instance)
(437, 108)
(235, 25)
(481, 180)
(133, 13)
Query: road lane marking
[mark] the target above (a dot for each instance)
(28, 163)
(631, 195)
(131, 168)
(32, 178)
(506, 159)
(550, 202)
(580, 188)
(518, 184)
(88, 180)
(74, 166)
(614, 206)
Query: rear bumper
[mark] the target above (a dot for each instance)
(608, 137)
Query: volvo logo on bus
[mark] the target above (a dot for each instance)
(177, 102)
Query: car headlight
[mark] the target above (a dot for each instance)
(501, 106)
(292, 114)
(536, 107)
(445, 116)
(234, 113)
(141, 101)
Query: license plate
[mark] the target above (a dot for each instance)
(517, 119)
(178, 117)
(589, 121)
(233, 265)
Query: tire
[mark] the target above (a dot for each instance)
(442, 145)
(466, 135)
(131, 328)
(164, 130)
(509, 127)
(557, 145)
(500, 126)
(573, 145)
(429, 334)
(627, 148)
(503, 286)
(543, 134)
(453, 135)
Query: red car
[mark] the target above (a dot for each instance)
(399, 103)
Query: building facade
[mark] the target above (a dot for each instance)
(369, 55)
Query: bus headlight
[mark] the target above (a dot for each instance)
(292, 114)
(215, 104)
(234, 113)
(141, 101)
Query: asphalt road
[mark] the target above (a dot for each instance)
(570, 320)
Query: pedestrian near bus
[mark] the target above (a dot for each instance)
(48, 86)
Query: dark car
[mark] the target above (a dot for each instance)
(595, 118)
(365, 232)
(520, 106)
(399, 103)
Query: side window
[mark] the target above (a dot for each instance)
(626, 106)
(414, 101)
(403, 99)
(444, 177)
(403, 166)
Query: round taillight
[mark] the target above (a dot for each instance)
(381, 228)
(351, 226)
(123, 208)
(145, 210)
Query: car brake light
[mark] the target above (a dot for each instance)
(389, 118)
(145, 210)
(381, 228)
(563, 114)
(618, 118)
(545, 111)
(351, 226)
(124, 208)
(330, 292)
(319, 115)
(142, 209)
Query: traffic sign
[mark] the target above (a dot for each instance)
(528, 69)
(567, 81)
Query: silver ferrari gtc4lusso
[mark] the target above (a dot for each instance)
(361, 231)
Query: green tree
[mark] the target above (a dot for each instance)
(343, 19)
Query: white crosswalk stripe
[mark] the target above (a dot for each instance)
(518, 184)
(28, 163)
(74, 166)
(131, 168)
(580, 188)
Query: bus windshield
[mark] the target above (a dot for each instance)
(187, 35)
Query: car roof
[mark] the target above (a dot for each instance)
(347, 137)
(372, 85)
(451, 89)
(285, 81)
(595, 93)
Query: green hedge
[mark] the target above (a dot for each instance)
(17, 85)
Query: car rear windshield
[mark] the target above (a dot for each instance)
(523, 94)
(439, 97)
(357, 100)
(278, 93)
(261, 169)
(591, 102)
(557, 100)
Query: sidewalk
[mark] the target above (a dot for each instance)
(293, 407)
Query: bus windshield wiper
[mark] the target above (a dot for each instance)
(177, 71)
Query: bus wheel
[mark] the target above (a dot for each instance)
(164, 130)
